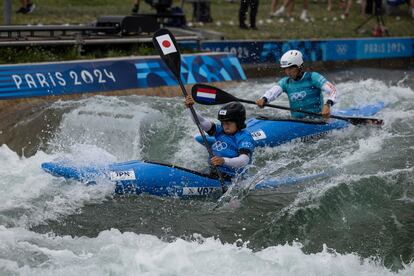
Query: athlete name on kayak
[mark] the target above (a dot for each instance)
(313, 137)
(202, 191)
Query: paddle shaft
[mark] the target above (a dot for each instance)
(352, 120)
(294, 110)
(197, 121)
(222, 97)
(173, 61)
(203, 135)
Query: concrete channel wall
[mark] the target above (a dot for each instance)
(149, 76)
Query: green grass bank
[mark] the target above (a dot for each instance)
(321, 24)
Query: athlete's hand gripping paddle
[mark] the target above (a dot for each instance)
(164, 41)
(210, 95)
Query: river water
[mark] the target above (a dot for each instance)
(358, 220)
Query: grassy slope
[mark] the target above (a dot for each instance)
(323, 25)
(225, 16)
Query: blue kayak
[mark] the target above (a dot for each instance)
(157, 179)
(276, 131)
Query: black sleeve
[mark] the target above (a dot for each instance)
(245, 151)
(212, 130)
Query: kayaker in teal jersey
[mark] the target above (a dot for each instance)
(304, 89)
(234, 145)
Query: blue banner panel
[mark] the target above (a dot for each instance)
(194, 68)
(266, 51)
(387, 47)
(58, 79)
(63, 78)
(257, 52)
(337, 50)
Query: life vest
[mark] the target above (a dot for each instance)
(230, 145)
(304, 94)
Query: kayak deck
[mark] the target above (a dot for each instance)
(273, 132)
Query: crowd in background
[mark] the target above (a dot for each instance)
(279, 8)
(26, 6)
(368, 8)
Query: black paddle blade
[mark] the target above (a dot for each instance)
(164, 41)
(365, 121)
(210, 95)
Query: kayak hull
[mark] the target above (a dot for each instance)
(138, 177)
(274, 132)
(158, 179)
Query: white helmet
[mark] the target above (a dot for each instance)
(291, 58)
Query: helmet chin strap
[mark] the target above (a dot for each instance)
(300, 75)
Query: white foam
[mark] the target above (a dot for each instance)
(116, 253)
(366, 147)
(114, 128)
(31, 196)
(18, 175)
(85, 155)
(111, 123)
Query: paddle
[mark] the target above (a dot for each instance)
(164, 41)
(210, 95)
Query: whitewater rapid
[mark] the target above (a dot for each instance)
(357, 221)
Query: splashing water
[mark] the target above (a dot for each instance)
(358, 221)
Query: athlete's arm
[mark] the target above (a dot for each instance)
(205, 124)
(245, 153)
(237, 162)
(272, 94)
(329, 89)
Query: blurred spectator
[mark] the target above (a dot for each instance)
(412, 8)
(273, 7)
(343, 4)
(374, 8)
(244, 6)
(27, 6)
(393, 5)
(135, 7)
(290, 4)
(201, 11)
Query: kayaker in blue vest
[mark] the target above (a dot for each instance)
(304, 89)
(234, 146)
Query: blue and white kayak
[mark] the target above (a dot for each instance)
(276, 131)
(157, 179)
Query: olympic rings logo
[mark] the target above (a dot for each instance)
(219, 146)
(341, 49)
(298, 96)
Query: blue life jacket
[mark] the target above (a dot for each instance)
(304, 94)
(230, 146)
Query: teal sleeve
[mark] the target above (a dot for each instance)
(317, 79)
(282, 83)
